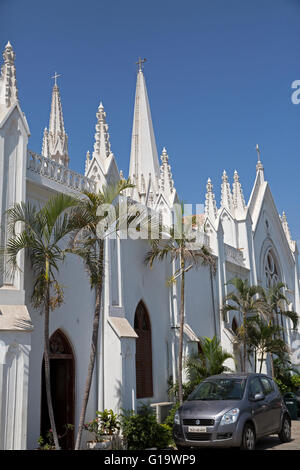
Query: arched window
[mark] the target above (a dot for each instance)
(62, 369)
(143, 356)
(271, 270)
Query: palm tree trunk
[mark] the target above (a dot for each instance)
(180, 365)
(212, 299)
(47, 369)
(245, 343)
(261, 362)
(93, 352)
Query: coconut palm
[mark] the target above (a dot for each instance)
(247, 300)
(177, 246)
(210, 361)
(275, 307)
(42, 235)
(277, 302)
(263, 338)
(91, 227)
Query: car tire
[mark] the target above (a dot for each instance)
(285, 432)
(248, 439)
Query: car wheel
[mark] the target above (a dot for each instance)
(285, 432)
(248, 440)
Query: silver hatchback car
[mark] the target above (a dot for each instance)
(232, 410)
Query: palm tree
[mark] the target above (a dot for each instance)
(177, 246)
(275, 302)
(91, 227)
(42, 236)
(245, 301)
(263, 338)
(210, 361)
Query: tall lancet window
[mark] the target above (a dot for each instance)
(143, 356)
(272, 277)
(271, 270)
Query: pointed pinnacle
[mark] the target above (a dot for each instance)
(8, 45)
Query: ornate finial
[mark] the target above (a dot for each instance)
(164, 156)
(8, 83)
(121, 175)
(55, 76)
(140, 64)
(259, 165)
(102, 143)
(210, 203)
(237, 193)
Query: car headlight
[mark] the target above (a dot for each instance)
(176, 418)
(230, 417)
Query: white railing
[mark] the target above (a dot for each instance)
(234, 255)
(54, 171)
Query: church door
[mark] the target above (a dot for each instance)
(62, 372)
(143, 356)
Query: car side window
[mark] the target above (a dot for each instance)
(255, 387)
(267, 385)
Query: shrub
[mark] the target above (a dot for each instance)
(169, 421)
(142, 431)
(295, 379)
(283, 388)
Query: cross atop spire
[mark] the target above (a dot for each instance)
(55, 76)
(259, 165)
(140, 64)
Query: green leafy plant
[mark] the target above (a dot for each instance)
(105, 423)
(109, 422)
(141, 431)
(169, 421)
(47, 442)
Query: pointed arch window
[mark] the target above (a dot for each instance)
(271, 270)
(143, 356)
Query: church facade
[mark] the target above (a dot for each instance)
(138, 337)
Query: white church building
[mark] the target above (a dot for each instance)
(138, 338)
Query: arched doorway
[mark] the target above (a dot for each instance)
(62, 371)
(143, 356)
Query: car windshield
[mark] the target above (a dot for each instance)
(219, 389)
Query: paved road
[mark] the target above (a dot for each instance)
(273, 442)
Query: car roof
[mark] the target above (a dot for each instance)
(241, 375)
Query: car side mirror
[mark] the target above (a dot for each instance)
(257, 397)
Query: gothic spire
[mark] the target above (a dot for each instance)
(8, 82)
(166, 183)
(210, 203)
(226, 196)
(55, 140)
(238, 197)
(102, 143)
(143, 156)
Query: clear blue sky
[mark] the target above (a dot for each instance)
(218, 72)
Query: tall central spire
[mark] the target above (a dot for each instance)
(144, 163)
(55, 140)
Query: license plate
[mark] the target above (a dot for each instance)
(197, 429)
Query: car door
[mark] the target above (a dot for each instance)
(273, 401)
(259, 409)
